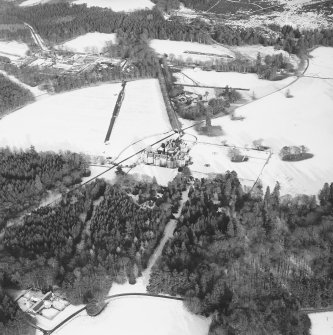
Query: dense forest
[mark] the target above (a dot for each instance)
(12, 95)
(93, 236)
(26, 176)
(251, 260)
(63, 21)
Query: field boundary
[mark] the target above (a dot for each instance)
(173, 118)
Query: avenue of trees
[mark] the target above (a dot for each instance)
(251, 260)
(12, 95)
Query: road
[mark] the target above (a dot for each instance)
(116, 111)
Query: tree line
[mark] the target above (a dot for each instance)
(285, 37)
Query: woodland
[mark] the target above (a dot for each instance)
(252, 260)
(12, 95)
(93, 236)
(26, 176)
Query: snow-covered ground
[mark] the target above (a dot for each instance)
(76, 121)
(292, 17)
(162, 175)
(118, 5)
(142, 116)
(321, 323)
(249, 81)
(178, 49)
(139, 315)
(33, 2)
(251, 52)
(306, 119)
(89, 43)
(13, 50)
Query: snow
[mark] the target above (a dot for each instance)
(233, 79)
(178, 48)
(216, 157)
(141, 121)
(306, 119)
(141, 316)
(321, 323)
(13, 49)
(76, 121)
(251, 52)
(33, 2)
(293, 17)
(79, 120)
(89, 43)
(118, 5)
(48, 324)
(163, 175)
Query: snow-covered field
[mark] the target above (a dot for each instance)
(118, 5)
(321, 323)
(140, 316)
(249, 81)
(89, 43)
(13, 50)
(76, 121)
(162, 175)
(306, 119)
(178, 48)
(142, 116)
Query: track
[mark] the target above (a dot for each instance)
(203, 86)
(37, 38)
(317, 310)
(116, 111)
